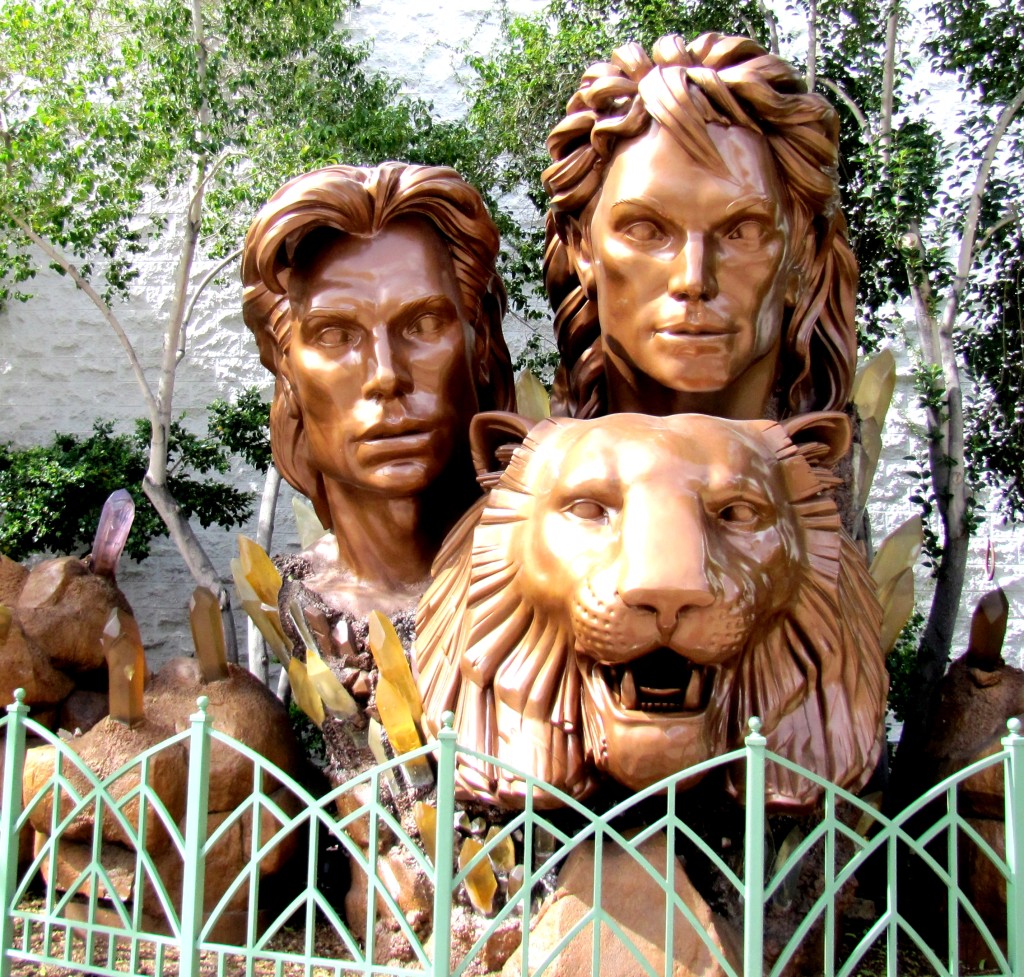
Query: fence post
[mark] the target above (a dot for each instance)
(196, 814)
(10, 811)
(1014, 744)
(753, 854)
(444, 847)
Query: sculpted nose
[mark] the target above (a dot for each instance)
(385, 376)
(693, 277)
(665, 576)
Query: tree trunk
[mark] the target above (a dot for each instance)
(155, 481)
(812, 44)
(932, 654)
(192, 552)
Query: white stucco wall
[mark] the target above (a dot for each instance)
(61, 366)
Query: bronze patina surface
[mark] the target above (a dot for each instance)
(636, 588)
(697, 257)
(374, 299)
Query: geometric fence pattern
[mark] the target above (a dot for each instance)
(83, 916)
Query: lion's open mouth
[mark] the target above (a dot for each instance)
(660, 681)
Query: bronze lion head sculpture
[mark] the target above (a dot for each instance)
(635, 588)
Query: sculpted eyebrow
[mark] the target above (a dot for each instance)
(440, 305)
(753, 203)
(331, 316)
(635, 203)
(316, 319)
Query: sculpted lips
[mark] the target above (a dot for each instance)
(694, 327)
(396, 439)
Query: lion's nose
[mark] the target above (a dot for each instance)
(667, 603)
(666, 580)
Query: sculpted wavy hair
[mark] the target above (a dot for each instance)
(363, 201)
(727, 81)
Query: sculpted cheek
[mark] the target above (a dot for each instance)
(760, 564)
(558, 556)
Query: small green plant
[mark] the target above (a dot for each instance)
(540, 357)
(244, 427)
(902, 665)
(308, 734)
(51, 495)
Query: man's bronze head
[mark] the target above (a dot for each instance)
(693, 93)
(350, 214)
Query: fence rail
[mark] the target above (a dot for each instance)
(104, 874)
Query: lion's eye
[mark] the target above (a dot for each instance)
(588, 510)
(739, 514)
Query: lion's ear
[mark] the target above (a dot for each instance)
(493, 436)
(826, 435)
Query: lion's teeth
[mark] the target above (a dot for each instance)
(627, 691)
(693, 691)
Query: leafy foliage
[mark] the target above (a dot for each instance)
(540, 356)
(901, 663)
(244, 427)
(103, 104)
(51, 495)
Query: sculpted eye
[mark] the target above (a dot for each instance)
(749, 232)
(740, 515)
(332, 337)
(643, 232)
(426, 327)
(587, 510)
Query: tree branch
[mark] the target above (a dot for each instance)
(1013, 217)
(812, 43)
(889, 80)
(76, 276)
(966, 257)
(158, 445)
(184, 538)
(955, 434)
(213, 170)
(207, 278)
(773, 27)
(844, 96)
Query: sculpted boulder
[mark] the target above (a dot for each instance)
(52, 642)
(64, 607)
(636, 588)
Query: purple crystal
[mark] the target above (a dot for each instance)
(112, 532)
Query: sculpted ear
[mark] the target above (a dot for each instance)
(493, 436)
(577, 244)
(826, 434)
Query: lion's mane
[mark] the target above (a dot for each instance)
(817, 680)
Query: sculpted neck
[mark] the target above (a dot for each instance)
(391, 542)
(747, 398)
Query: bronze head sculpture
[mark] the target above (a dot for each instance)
(374, 299)
(697, 257)
(636, 588)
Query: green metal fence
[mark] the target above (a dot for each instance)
(68, 903)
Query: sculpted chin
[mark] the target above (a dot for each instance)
(635, 589)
